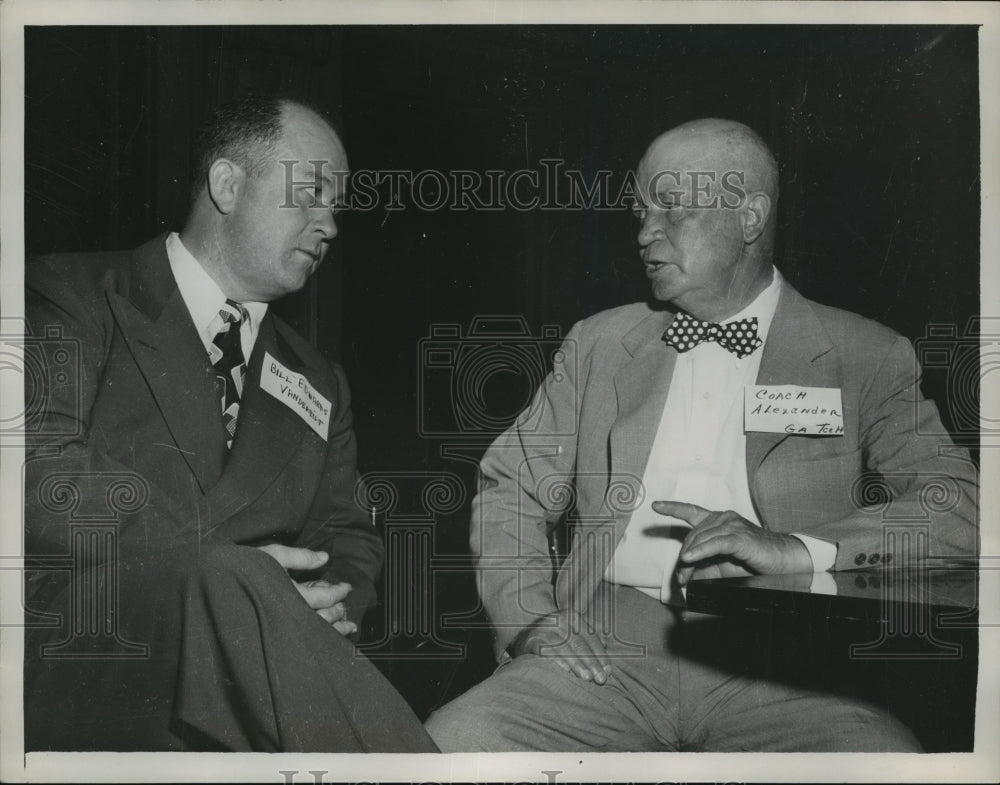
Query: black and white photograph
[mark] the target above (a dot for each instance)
(458, 391)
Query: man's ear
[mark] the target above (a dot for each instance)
(225, 182)
(756, 213)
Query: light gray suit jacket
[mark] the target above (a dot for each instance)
(584, 442)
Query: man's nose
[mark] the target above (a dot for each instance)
(326, 224)
(651, 228)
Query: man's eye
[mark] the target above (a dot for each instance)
(310, 197)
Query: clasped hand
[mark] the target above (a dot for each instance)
(726, 545)
(326, 598)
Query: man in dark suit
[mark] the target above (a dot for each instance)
(669, 432)
(215, 615)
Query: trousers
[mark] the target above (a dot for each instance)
(679, 681)
(234, 660)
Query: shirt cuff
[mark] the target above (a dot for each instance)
(822, 552)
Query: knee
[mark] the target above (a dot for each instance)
(463, 726)
(888, 734)
(867, 729)
(494, 716)
(223, 566)
(528, 705)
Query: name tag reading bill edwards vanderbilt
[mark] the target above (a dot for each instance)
(293, 390)
(790, 408)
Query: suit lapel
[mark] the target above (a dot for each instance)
(159, 332)
(641, 387)
(268, 433)
(797, 352)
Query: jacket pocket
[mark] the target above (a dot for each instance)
(793, 494)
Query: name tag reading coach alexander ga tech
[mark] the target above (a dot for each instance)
(789, 408)
(293, 390)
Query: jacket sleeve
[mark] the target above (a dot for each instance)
(67, 309)
(68, 335)
(336, 522)
(521, 497)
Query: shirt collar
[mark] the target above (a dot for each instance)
(763, 306)
(201, 293)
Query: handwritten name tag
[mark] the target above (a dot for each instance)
(293, 390)
(789, 408)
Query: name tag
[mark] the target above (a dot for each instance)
(789, 408)
(293, 390)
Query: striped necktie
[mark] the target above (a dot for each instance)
(226, 354)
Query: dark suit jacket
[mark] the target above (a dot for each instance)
(235, 659)
(585, 440)
(145, 402)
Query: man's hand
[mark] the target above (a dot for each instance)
(724, 544)
(569, 643)
(326, 598)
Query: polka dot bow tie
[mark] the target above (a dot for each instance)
(686, 332)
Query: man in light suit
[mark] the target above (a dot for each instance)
(218, 614)
(641, 431)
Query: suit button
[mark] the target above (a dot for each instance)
(860, 582)
(859, 559)
(873, 559)
(887, 558)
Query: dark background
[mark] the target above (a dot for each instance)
(876, 129)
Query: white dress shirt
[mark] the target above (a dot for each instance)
(204, 298)
(699, 457)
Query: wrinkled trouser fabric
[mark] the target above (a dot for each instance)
(700, 683)
(236, 660)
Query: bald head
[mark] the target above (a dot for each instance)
(707, 190)
(719, 146)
